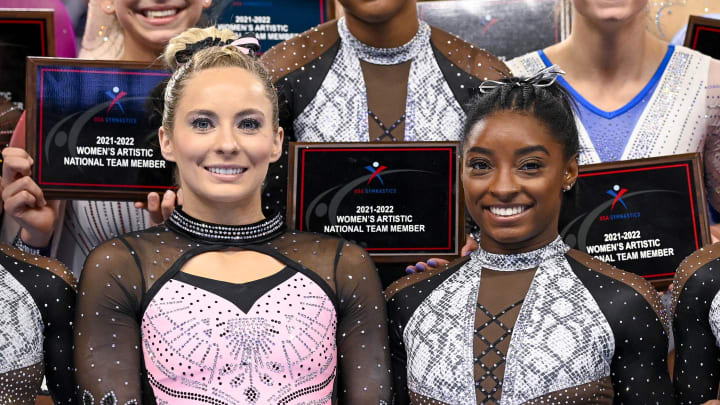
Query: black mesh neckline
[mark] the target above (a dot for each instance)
(236, 235)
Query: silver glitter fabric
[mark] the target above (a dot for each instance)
(521, 261)
(714, 317)
(338, 112)
(21, 326)
(561, 337)
(439, 340)
(675, 118)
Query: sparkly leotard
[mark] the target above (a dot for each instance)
(37, 302)
(551, 326)
(334, 88)
(312, 333)
(696, 325)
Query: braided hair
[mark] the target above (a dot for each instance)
(540, 96)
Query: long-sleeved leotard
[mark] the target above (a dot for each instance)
(313, 333)
(549, 326)
(696, 325)
(37, 302)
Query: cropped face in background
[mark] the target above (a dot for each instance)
(223, 138)
(513, 175)
(375, 11)
(154, 22)
(610, 10)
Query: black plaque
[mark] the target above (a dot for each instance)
(92, 128)
(401, 202)
(644, 216)
(271, 21)
(703, 34)
(506, 28)
(23, 33)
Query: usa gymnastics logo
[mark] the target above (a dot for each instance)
(376, 168)
(115, 95)
(617, 192)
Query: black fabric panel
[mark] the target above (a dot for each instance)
(639, 367)
(243, 295)
(463, 85)
(697, 364)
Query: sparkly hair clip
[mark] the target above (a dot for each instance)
(543, 78)
(247, 44)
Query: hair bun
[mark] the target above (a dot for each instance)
(181, 48)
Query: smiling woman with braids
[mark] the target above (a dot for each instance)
(525, 319)
(221, 304)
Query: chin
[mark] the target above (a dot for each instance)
(375, 12)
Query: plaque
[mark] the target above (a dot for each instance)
(401, 202)
(703, 35)
(644, 216)
(92, 128)
(505, 28)
(23, 33)
(272, 21)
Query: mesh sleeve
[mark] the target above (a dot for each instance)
(107, 332)
(58, 347)
(364, 363)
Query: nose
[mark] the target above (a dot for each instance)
(504, 185)
(227, 141)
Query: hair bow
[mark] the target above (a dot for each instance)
(247, 44)
(543, 78)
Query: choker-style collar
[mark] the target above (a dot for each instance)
(520, 261)
(238, 235)
(386, 56)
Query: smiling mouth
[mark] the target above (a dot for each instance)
(508, 211)
(160, 13)
(226, 170)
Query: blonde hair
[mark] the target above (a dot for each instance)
(207, 58)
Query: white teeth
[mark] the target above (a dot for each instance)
(507, 211)
(223, 170)
(159, 13)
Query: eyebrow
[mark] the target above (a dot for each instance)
(484, 151)
(209, 113)
(530, 149)
(519, 152)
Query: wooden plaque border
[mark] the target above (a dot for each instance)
(695, 23)
(46, 15)
(699, 198)
(35, 63)
(459, 203)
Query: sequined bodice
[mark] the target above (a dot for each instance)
(198, 345)
(529, 328)
(148, 330)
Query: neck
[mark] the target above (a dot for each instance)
(231, 213)
(391, 33)
(616, 50)
(133, 51)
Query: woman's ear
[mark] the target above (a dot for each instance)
(107, 6)
(166, 146)
(277, 148)
(571, 173)
(206, 3)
